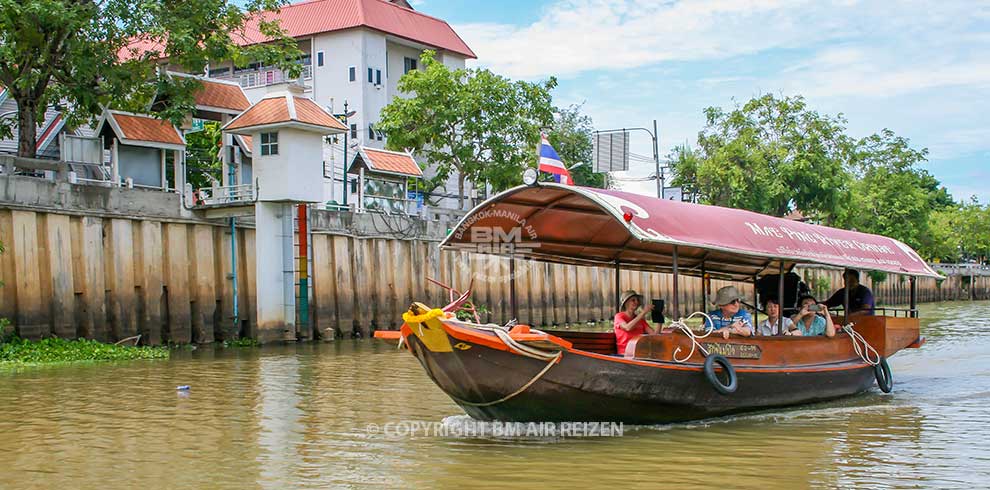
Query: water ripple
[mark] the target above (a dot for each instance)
(297, 416)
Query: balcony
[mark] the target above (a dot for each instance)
(263, 76)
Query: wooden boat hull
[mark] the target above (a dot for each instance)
(585, 386)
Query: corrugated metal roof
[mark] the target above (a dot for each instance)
(318, 16)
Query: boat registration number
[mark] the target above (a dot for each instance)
(738, 351)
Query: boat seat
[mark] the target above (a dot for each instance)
(597, 342)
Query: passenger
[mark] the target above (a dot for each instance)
(813, 318)
(860, 296)
(772, 325)
(730, 317)
(629, 324)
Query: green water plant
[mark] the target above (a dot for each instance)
(17, 351)
(241, 342)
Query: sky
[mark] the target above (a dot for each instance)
(921, 69)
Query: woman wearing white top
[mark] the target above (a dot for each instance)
(771, 326)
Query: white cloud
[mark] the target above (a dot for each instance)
(575, 36)
(917, 67)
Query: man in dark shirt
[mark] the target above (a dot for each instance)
(860, 296)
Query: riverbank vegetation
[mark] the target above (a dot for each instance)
(775, 155)
(18, 351)
(15, 351)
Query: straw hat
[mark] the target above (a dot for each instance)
(726, 295)
(625, 297)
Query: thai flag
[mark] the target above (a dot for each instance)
(550, 163)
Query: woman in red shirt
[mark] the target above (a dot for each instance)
(628, 324)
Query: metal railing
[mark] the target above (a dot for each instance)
(264, 76)
(965, 269)
(225, 195)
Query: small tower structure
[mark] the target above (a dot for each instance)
(286, 131)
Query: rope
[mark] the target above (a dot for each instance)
(523, 349)
(409, 317)
(680, 324)
(865, 350)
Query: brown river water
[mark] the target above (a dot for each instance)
(299, 416)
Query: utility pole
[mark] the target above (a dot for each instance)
(347, 130)
(656, 159)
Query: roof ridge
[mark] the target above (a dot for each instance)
(204, 78)
(290, 106)
(417, 12)
(382, 150)
(360, 8)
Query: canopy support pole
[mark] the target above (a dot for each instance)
(756, 304)
(618, 291)
(845, 299)
(676, 306)
(513, 305)
(914, 298)
(704, 288)
(780, 291)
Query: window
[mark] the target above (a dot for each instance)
(371, 75)
(379, 133)
(409, 65)
(371, 133)
(217, 72)
(269, 144)
(378, 77)
(319, 58)
(354, 131)
(351, 74)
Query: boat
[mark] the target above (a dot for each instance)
(517, 373)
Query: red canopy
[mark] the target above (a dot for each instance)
(580, 225)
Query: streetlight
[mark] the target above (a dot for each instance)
(347, 129)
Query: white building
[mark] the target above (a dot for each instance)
(355, 51)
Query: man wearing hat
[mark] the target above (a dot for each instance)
(730, 318)
(629, 324)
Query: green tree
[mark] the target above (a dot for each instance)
(470, 122)
(203, 155)
(571, 137)
(86, 55)
(891, 195)
(943, 242)
(973, 227)
(769, 155)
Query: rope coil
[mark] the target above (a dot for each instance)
(682, 326)
(865, 350)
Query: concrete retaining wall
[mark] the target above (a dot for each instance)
(109, 263)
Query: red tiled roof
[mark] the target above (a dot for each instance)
(247, 141)
(309, 112)
(266, 111)
(318, 16)
(146, 128)
(275, 109)
(392, 162)
(221, 95)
